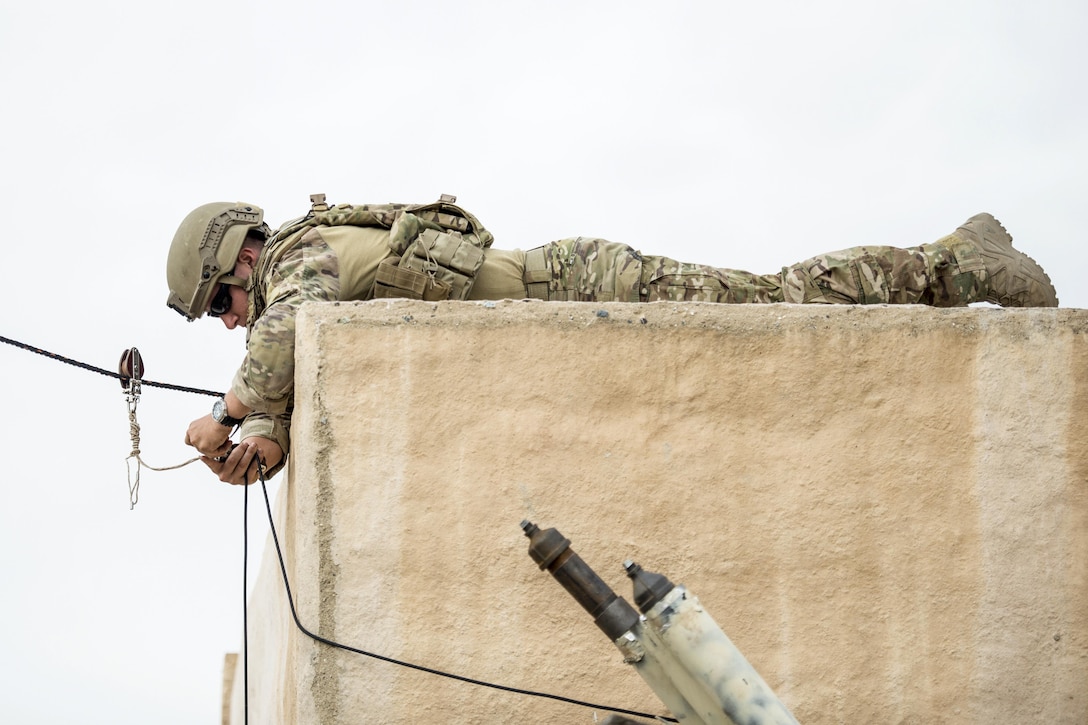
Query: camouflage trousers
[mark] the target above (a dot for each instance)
(947, 273)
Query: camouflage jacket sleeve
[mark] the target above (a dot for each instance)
(273, 427)
(310, 272)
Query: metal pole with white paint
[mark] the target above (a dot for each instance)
(676, 647)
(708, 664)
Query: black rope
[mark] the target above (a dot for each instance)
(245, 600)
(118, 376)
(420, 668)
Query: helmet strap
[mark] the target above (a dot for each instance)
(231, 279)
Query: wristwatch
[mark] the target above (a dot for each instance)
(221, 416)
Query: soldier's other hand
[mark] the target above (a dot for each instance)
(208, 436)
(238, 467)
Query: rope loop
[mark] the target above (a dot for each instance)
(132, 400)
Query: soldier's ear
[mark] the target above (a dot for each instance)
(248, 255)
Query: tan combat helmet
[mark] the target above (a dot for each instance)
(204, 252)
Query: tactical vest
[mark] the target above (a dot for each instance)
(435, 250)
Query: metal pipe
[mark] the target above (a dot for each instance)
(551, 551)
(675, 646)
(612, 614)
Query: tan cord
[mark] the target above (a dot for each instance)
(132, 397)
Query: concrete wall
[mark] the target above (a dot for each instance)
(886, 509)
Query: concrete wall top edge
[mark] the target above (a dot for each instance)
(734, 318)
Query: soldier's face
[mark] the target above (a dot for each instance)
(235, 310)
(238, 306)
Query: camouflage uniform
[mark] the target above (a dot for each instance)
(946, 273)
(332, 263)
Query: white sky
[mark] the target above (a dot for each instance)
(750, 135)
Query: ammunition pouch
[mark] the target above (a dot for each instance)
(395, 281)
(435, 262)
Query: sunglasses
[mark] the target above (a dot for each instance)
(222, 301)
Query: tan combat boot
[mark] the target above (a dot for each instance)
(1013, 278)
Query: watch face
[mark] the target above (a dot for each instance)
(219, 410)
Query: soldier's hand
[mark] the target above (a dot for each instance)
(208, 436)
(239, 466)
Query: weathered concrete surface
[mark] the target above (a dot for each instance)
(886, 509)
(230, 666)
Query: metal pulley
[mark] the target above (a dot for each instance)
(131, 370)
